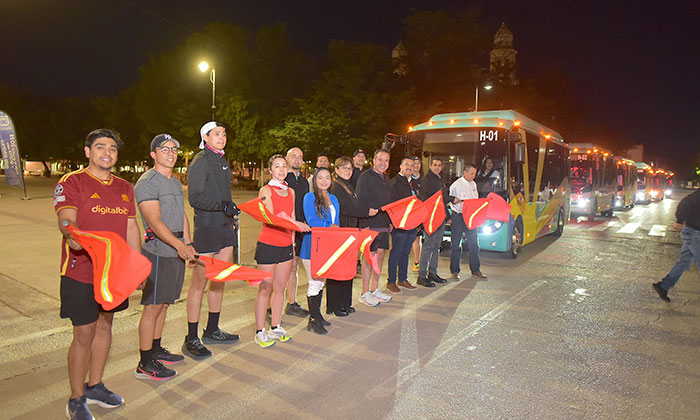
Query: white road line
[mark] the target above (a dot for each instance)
(657, 230)
(629, 228)
(603, 226)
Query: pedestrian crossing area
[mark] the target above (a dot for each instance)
(617, 226)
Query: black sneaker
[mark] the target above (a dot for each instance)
(77, 409)
(100, 395)
(167, 358)
(296, 310)
(437, 279)
(663, 293)
(425, 282)
(154, 370)
(219, 337)
(195, 349)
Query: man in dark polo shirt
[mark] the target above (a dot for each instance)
(79, 198)
(297, 182)
(209, 194)
(373, 191)
(431, 183)
(359, 157)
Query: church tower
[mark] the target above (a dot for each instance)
(502, 63)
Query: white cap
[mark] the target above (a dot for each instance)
(206, 128)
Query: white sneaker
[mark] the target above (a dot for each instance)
(278, 333)
(381, 296)
(369, 299)
(263, 339)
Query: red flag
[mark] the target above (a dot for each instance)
(436, 213)
(366, 238)
(407, 213)
(257, 209)
(334, 252)
(474, 212)
(117, 268)
(220, 271)
(498, 208)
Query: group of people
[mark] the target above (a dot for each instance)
(349, 195)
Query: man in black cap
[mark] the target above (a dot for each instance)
(359, 157)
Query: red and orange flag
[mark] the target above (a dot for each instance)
(474, 212)
(334, 252)
(498, 208)
(117, 268)
(407, 213)
(366, 238)
(435, 207)
(221, 271)
(259, 212)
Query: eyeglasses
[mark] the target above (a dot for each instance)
(345, 168)
(169, 149)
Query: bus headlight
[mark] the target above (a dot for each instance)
(668, 192)
(653, 193)
(640, 196)
(489, 228)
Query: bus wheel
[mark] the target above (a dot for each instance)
(560, 224)
(516, 241)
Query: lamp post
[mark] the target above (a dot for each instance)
(203, 67)
(487, 86)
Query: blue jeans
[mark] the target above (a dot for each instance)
(401, 243)
(459, 229)
(689, 252)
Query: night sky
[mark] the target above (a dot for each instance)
(635, 66)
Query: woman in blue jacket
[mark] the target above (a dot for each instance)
(321, 209)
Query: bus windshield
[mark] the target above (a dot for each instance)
(641, 180)
(483, 147)
(581, 175)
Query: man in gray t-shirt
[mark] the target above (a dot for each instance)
(168, 245)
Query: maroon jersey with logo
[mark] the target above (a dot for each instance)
(105, 206)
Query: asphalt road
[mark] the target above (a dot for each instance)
(569, 330)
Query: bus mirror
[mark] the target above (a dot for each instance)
(515, 137)
(426, 154)
(519, 153)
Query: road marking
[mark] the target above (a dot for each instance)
(629, 228)
(657, 230)
(603, 226)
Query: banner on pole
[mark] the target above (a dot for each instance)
(10, 152)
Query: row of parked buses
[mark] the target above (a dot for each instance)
(544, 179)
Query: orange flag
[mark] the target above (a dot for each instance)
(334, 252)
(498, 208)
(474, 212)
(366, 238)
(407, 213)
(436, 213)
(257, 209)
(117, 268)
(220, 271)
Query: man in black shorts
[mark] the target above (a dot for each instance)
(95, 200)
(209, 194)
(297, 182)
(159, 197)
(374, 191)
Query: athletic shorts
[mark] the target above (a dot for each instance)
(164, 284)
(270, 254)
(78, 302)
(298, 238)
(212, 239)
(381, 241)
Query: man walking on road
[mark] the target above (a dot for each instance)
(464, 188)
(209, 194)
(431, 183)
(91, 199)
(688, 224)
(167, 246)
(295, 181)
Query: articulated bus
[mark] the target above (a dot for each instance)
(626, 183)
(593, 181)
(530, 169)
(645, 182)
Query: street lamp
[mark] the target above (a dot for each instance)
(487, 86)
(203, 67)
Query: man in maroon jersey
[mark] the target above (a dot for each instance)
(91, 199)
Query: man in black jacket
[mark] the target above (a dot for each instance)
(402, 186)
(373, 190)
(688, 224)
(431, 183)
(358, 165)
(297, 182)
(209, 194)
